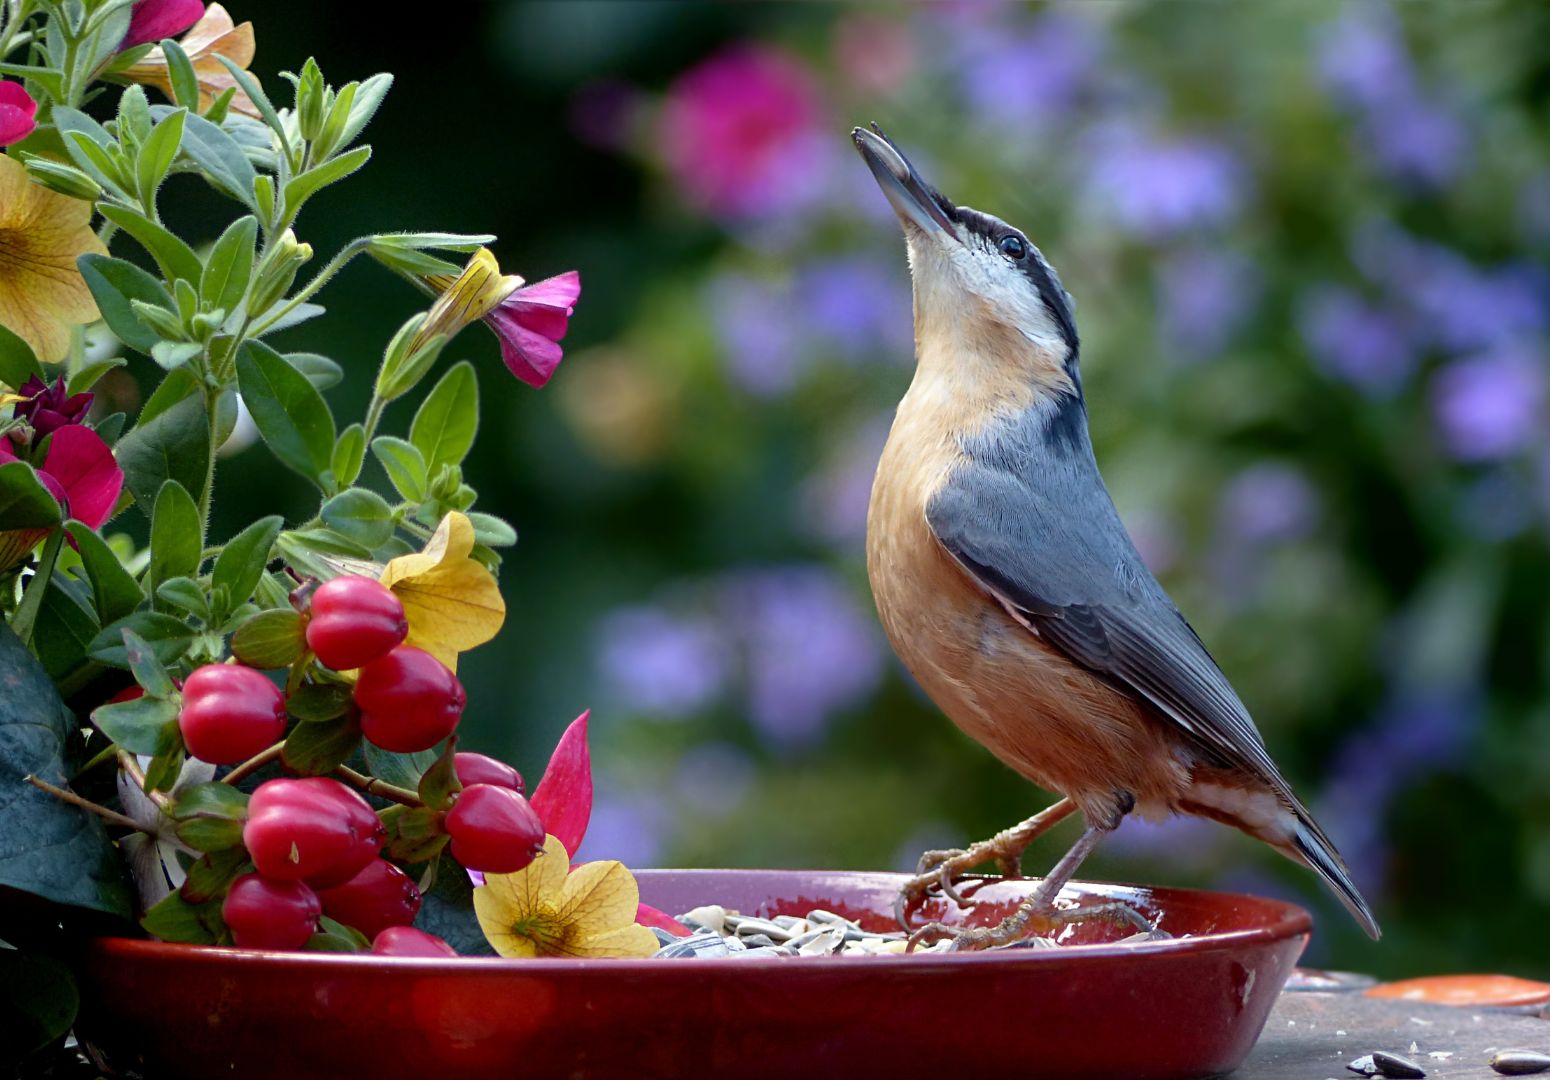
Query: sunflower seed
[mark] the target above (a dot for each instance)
(1520, 1062)
(750, 927)
(1395, 1067)
(709, 917)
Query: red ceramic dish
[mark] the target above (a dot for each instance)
(1187, 1007)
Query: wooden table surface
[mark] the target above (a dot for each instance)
(1313, 1036)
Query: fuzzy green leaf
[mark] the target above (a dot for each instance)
(269, 639)
(290, 414)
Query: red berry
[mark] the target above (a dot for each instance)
(478, 769)
(408, 699)
(266, 914)
(353, 620)
(230, 713)
(379, 896)
(314, 830)
(407, 941)
(494, 830)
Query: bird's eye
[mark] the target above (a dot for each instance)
(1013, 247)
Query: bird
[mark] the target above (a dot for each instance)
(1010, 589)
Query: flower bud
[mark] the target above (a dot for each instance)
(278, 271)
(65, 179)
(407, 359)
(446, 482)
(314, 100)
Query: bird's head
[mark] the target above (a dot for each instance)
(985, 298)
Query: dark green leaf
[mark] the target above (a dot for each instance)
(315, 702)
(320, 371)
(269, 639)
(24, 502)
(241, 562)
(362, 515)
(175, 919)
(440, 782)
(309, 183)
(184, 594)
(17, 362)
(319, 748)
(114, 589)
(445, 425)
(175, 258)
(404, 464)
(168, 638)
(290, 414)
(110, 427)
(400, 770)
(168, 760)
(173, 445)
(414, 834)
(147, 670)
(210, 816)
(212, 873)
(65, 627)
(87, 377)
(448, 911)
(136, 725)
(336, 937)
(175, 542)
(113, 284)
(38, 1003)
(230, 265)
(349, 454)
(219, 158)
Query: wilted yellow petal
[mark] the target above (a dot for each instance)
(42, 232)
(452, 602)
(472, 295)
(213, 35)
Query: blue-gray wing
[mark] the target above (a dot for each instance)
(1058, 556)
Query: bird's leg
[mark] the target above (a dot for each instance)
(1039, 911)
(941, 869)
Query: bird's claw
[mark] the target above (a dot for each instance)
(1025, 928)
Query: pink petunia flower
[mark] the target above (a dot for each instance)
(152, 20)
(49, 408)
(531, 322)
(80, 472)
(17, 113)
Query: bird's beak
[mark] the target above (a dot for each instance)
(912, 200)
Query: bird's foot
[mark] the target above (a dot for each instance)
(943, 871)
(1033, 917)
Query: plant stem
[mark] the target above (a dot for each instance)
(373, 415)
(127, 762)
(112, 817)
(372, 786)
(212, 407)
(253, 764)
(321, 278)
(26, 616)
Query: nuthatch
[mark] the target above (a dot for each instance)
(1011, 590)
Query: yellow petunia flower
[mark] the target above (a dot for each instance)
(42, 232)
(212, 36)
(451, 600)
(550, 909)
(470, 296)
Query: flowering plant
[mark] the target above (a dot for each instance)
(324, 648)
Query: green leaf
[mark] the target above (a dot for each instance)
(241, 562)
(175, 541)
(229, 267)
(113, 284)
(17, 361)
(349, 454)
(87, 376)
(415, 834)
(302, 548)
(444, 427)
(290, 414)
(114, 589)
(173, 445)
(136, 725)
(110, 427)
(174, 354)
(219, 158)
(167, 762)
(337, 937)
(309, 183)
(157, 154)
(147, 670)
(212, 873)
(210, 816)
(491, 530)
(315, 702)
(180, 73)
(368, 98)
(185, 594)
(362, 515)
(269, 639)
(48, 848)
(440, 784)
(320, 371)
(174, 257)
(404, 464)
(168, 637)
(38, 1003)
(176, 919)
(448, 911)
(65, 626)
(255, 92)
(24, 502)
(400, 770)
(318, 748)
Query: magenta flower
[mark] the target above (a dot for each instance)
(80, 472)
(152, 20)
(531, 322)
(49, 408)
(17, 113)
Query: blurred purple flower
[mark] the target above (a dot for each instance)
(764, 350)
(714, 777)
(1358, 342)
(1156, 537)
(1154, 186)
(833, 501)
(1421, 141)
(1269, 502)
(1362, 58)
(1492, 405)
(859, 306)
(811, 650)
(1029, 75)
(1180, 841)
(1204, 295)
(743, 134)
(662, 664)
(934, 835)
(633, 828)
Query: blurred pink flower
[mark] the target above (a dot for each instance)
(531, 322)
(152, 20)
(17, 110)
(738, 131)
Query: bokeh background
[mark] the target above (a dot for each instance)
(1308, 247)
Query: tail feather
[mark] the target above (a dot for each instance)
(1312, 848)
